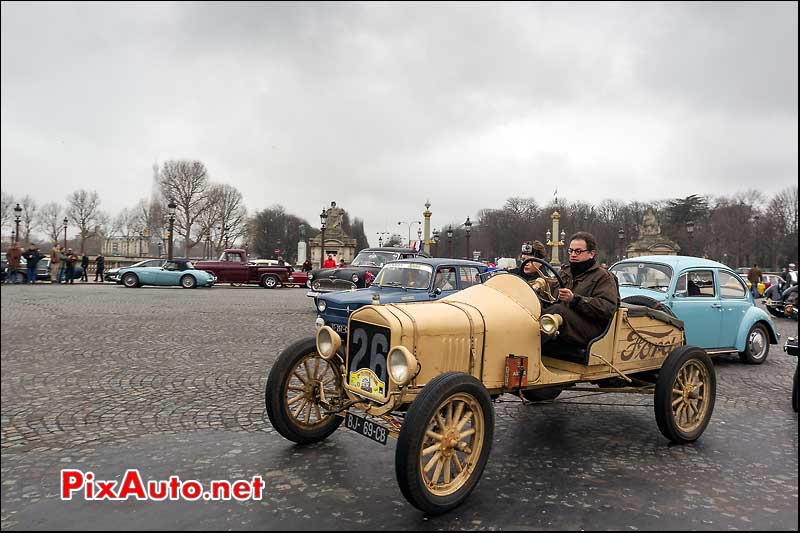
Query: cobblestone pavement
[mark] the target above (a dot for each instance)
(171, 382)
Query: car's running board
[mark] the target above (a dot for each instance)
(720, 351)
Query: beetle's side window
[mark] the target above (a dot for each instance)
(700, 284)
(680, 287)
(469, 276)
(730, 286)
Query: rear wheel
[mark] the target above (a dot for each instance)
(130, 280)
(188, 282)
(444, 443)
(685, 394)
(300, 387)
(269, 282)
(541, 395)
(756, 347)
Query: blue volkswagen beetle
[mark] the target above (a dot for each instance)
(178, 272)
(712, 300)
(407, 280)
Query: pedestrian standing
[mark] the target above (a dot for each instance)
(99, 267)
(62, 272)
(32, 256)
(307, 266)
(55, 263)
(69, 269)
(13, 255)
(754, 275)
(85, 268)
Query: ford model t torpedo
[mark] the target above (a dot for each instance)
(426, 373)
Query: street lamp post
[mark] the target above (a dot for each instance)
(468, 229)
(17, 218)
(323, 216)
(380, 235)
(450, 242)
(13, 237)
(172, 205)
(690, 231)
(410, 223)
(621, 237)
(66, 222)
(435, 242)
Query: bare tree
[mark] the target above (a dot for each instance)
(29, 216)
(50, 217)
(187, 183)
(83, 210)
(7, 210)
(224, 216)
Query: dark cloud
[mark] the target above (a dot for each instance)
(381, 106)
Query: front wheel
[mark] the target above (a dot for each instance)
(756, 347)
(444, 443)
(269, 282)
(130, 280)
(686, 390)
(300, 387)
(188, 282)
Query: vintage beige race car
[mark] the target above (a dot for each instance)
(426, 374)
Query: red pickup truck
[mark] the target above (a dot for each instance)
(233, 267)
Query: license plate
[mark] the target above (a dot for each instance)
(341, 329)
(368, 429)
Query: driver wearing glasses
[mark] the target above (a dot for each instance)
(590, 297)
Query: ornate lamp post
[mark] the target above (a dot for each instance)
(468, 229)
(555, 258)
(323, 216)
(621, 238)
(172, 205)
(450, 242)
(419, 234)
(13, 236)
(66, 222)
(410, 223)
(690, 231)
(435, 242)
(17, 218)
(380, 235)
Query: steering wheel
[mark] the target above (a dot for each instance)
(545, 293)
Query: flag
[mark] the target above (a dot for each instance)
(417, 246)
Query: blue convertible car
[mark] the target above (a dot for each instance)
(406, 280)
(178, 272)
(712, 300)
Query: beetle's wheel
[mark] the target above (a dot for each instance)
(685, 394)
(445, 442)
(300, 388)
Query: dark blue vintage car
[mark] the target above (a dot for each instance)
(406, 280)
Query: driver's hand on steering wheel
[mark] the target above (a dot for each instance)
(565, 295)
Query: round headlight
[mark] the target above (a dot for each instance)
(549, 324)
(322, 306)
(310, 276)
(328, 342)
(355, 278)
(402, 365)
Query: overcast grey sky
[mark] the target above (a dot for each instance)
(382, 106)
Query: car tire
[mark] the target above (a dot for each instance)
(417, 452)
(542, 395)
(775, 312)
(756, 348)
(285, 413)
(269, 282)
(188, 282)
(130, 280)
(687, 376)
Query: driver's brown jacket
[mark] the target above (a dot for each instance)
(587, 315)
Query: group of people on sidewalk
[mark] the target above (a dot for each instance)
(63, 264)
